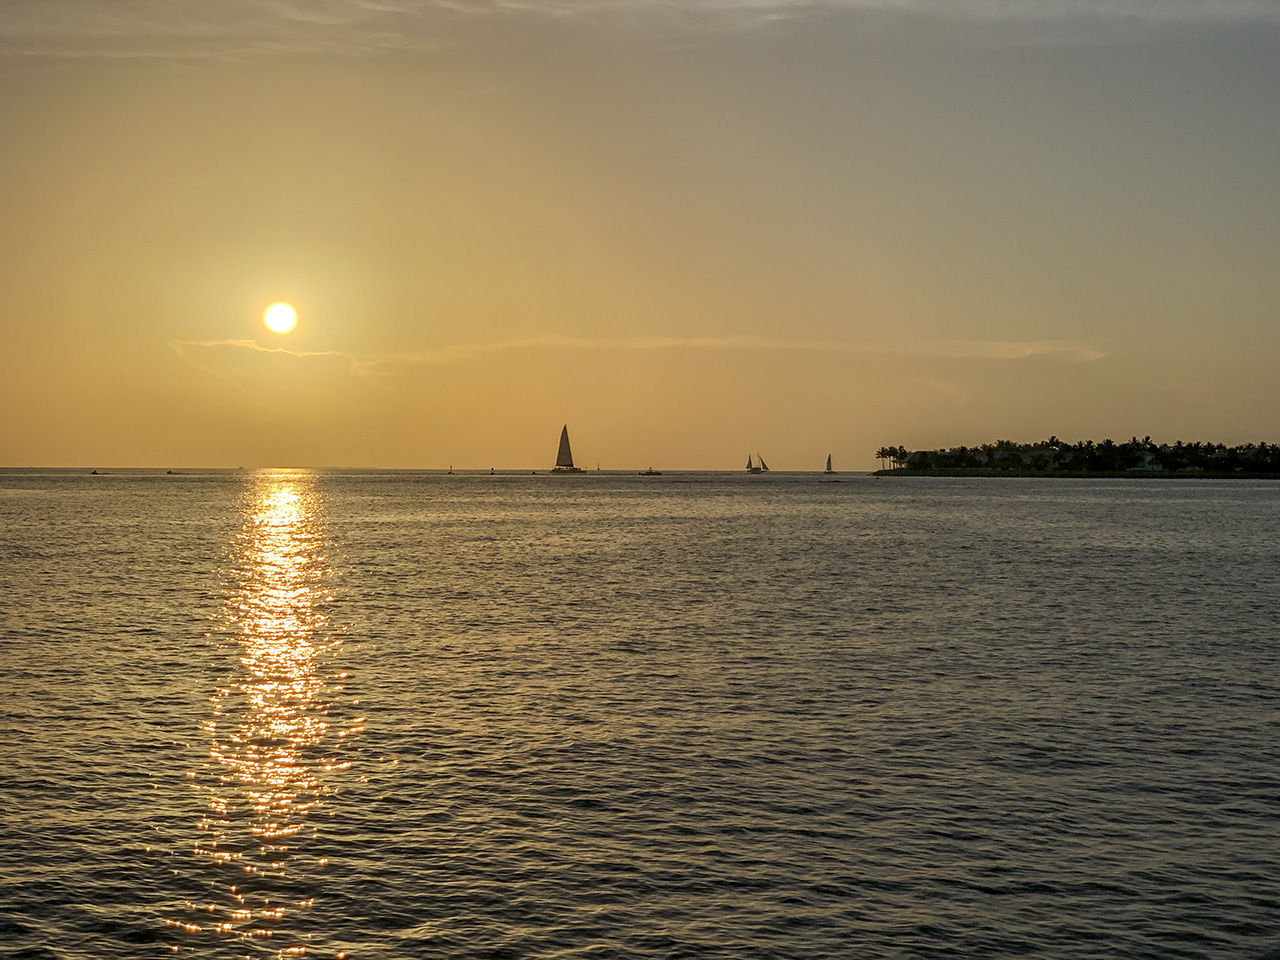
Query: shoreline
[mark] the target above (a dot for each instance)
(1076, 474)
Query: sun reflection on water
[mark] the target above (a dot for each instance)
(281, 727)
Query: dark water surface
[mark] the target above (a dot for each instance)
(407, 715)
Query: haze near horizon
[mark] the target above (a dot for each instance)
(692, 233)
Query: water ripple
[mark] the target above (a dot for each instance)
(392, 715)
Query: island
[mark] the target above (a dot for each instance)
(1059, 458)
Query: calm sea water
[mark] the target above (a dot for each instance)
(407, 715)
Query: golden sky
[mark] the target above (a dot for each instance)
(691, 230)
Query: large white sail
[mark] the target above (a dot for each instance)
(565, 457)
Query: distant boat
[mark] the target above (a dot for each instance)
(760, 467)
(651, 473)
(564, 458)
(828, 470)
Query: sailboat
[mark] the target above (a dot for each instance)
(828, 470)
(564, 458)
(760, 467)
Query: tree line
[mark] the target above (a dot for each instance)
(1054, 455)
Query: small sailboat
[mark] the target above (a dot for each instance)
(828, 470)
(758, 467)
(564, 457)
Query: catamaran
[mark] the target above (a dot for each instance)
(564, 458)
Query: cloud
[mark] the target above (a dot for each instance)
(188, 348)
(1067, 350)
(249, 367)
(201, 352)
(199, 28)
(1061, 350)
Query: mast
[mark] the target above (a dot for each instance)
(564, 458)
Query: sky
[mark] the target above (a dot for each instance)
(691, 230)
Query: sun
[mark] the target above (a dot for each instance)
(279, 317)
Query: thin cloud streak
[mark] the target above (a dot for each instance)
(1058, 350)
(218, 358)
(183, 348)
(1062, 350)
(197, 28)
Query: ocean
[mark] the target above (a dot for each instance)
(401, 715)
